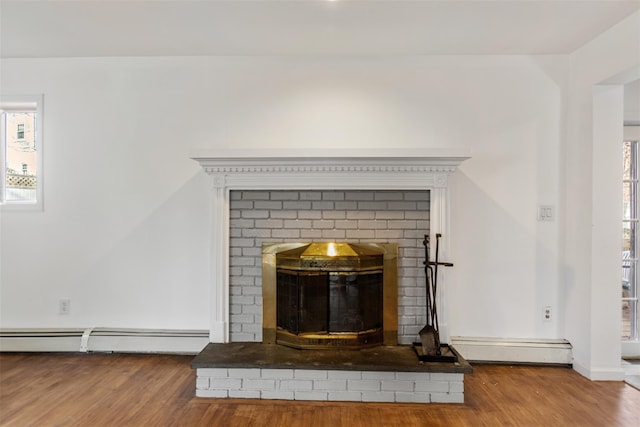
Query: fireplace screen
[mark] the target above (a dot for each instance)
(328, 295)
(329, 302)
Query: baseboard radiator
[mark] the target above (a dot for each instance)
(122, 340)
(117, 340)
(510, 350)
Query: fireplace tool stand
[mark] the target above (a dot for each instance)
(430, 349)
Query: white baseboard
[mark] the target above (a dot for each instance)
(115, 340)
(600, 374)
(510, 350)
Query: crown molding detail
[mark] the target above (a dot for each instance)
(212, 169)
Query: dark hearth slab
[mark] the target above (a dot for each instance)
(272, 356)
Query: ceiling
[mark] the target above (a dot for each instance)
(57, 28)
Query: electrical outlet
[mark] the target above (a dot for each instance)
(65, 306)
(546, 315)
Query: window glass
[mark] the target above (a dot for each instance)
(630, 241)
(21, 152)
(20, 156)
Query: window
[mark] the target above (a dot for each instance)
(21, 152)
(630, 241)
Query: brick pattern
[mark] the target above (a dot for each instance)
(302, 216)
(355, 386)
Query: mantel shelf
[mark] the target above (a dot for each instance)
(423, 156)
(300, 163)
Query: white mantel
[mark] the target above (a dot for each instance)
(279, 169)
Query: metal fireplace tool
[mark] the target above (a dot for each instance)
(430, 349)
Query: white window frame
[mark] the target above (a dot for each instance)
(33, 103)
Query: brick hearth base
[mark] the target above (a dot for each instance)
(382, 374)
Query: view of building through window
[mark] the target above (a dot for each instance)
(630, 241)
(20, 156)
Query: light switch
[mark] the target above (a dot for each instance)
(545, 213)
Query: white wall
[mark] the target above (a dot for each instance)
(507, 261)
(125, 230)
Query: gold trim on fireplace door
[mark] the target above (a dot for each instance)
(389, 288)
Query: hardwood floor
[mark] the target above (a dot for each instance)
(158, 390)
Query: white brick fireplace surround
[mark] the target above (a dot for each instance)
(356, 216)
(316, 174)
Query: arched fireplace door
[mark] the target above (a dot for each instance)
(332, 295)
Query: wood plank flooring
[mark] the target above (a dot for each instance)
(158, 390)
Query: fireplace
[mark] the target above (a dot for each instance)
(330, 294)
(305, 170)
(242, 359)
